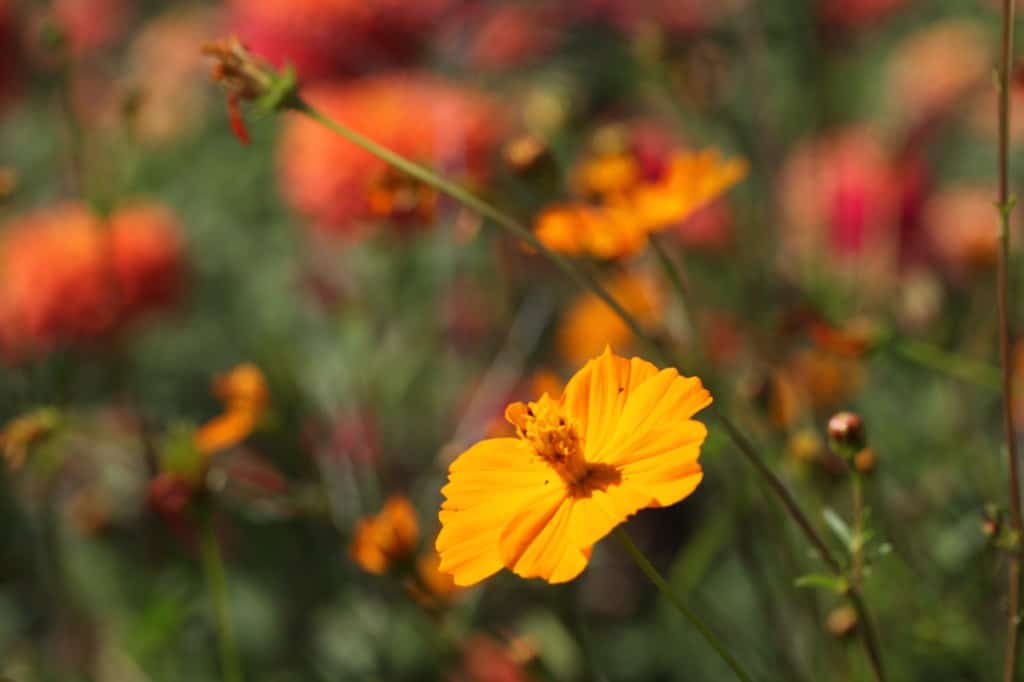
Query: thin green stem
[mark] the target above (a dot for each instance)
(1004, 205)
(956, 366)
(216, 585)
(867, 628)
(651, 572)
(485, 209)
(675, 278)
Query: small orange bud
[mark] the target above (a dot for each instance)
(841, 621)
(386, 538)
(865, 461)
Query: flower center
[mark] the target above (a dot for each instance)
(556, 439)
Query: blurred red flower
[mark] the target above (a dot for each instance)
(69, 276)
(841, 199)
(341, 187)
(323, 38)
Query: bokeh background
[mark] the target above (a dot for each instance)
(145, 251)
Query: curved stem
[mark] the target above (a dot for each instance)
(467, 198)
(1005, 207)
(651, 572)
(216, 584)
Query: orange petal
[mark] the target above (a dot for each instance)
(487, 486)
(597, 394)
(538, 543)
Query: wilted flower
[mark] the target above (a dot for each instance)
(324, 38)
(245, 395)
(589, 324)
(620, 439)
(343, 188)
(387, 538)
(70, 276)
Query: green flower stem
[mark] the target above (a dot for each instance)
(216, 585)
(956, 366)
(682, 291)
(651, 572)
(467, 198)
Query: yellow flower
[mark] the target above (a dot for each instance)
(589, 324)
(386, 538)
(244, 393)
(630, 209)
(620, 439)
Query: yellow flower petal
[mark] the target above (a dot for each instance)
(537, 542)
(597, 393)
(488, 485)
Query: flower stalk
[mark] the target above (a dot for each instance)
(216, 585)
(1004, 205)
(645, 565)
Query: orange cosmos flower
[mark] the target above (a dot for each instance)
(629, 208)
(386, 538)
(244, 393)
(620, 439)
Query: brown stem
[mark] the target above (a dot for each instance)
(1005, 206)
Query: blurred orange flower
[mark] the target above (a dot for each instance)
(620, 439)
(343, 188)
(432, 588)
(630, 208)
(70, 276)
(963, 228)
(589, 324)
(244, 393)
(386, 538)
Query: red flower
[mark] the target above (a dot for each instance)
(69, 277)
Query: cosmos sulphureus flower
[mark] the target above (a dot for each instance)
(621, 438)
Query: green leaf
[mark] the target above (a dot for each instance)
(839, 527)
(823, 581)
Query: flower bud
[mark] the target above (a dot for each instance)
(841, 621)
(846, 433)
(865, 461)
